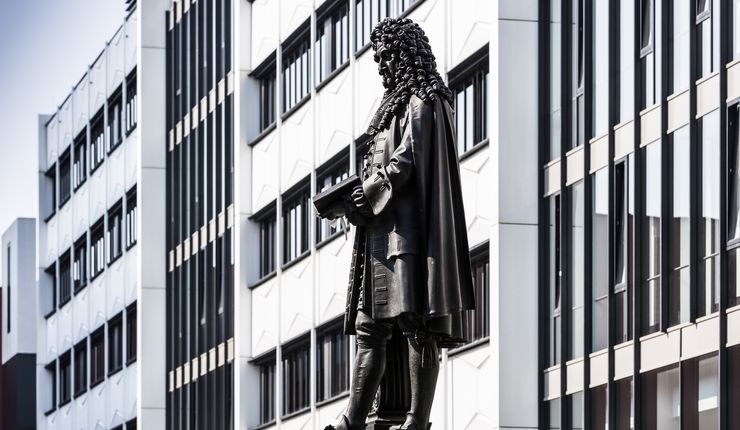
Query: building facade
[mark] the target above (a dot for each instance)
(267, 104)
(101, 244)
(640, 324)
(18, 350)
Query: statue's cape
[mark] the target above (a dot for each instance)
(449, 279)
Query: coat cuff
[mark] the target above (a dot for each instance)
(378, 191)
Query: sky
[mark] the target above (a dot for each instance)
(45, 48)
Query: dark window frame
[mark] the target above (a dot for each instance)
(267, 385)
(65, 165)
(65, 291)
(267, 240)
(296, 376)
(80, 370)
(403, 8)
(131, 105)
(97, 363)
(266, 75)
(115, 345)
(79, 265)
(114, 232)
(52, 271)
(333, 23)
(296, 198)
(65, 364)
(130, 222)
(79, 162)
(473, 74)
(296, 51)
(97, 140)
(51, 368)
(97, 248)
(51, 176)
(479, 320)
(114, 130)
(131, 335)
(336, 169)
(337, 372)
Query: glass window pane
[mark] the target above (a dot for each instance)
(651, 237)
(680, 45)
(626, 60)
(600, 259)
(709, 241)
(576, 269)
(600, 68)
(679, 282)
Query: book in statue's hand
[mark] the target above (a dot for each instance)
(331, 203)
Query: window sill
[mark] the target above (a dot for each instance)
(95, 276)
(64, 201)
(263, 134)
(114, 147)
(362, 50)
(50, 313)
(114, 259)
(78, 289)
(295, 261)
(50, 411)
(299, 412)
(263, 279)
(96, 383)
(79, 393)
(474, 150)
(295, 107)
(130, 361)
(410, 9)
(337, 234)
(64, 302)
(50, 216)
(64, 403)
(114, 371)
(266, 425)
(131, 130)
(95, 168)
(332, 75)
(472, 345)
(340, 396)
(129, 246)
(77, 187)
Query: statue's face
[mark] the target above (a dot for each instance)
(386, 66)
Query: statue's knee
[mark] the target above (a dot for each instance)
(371, 333)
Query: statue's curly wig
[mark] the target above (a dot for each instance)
(416, 69)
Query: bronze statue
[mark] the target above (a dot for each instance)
(410, 265)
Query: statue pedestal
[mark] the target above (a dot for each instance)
(393, 399)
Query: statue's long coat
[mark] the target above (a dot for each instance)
(413, 254)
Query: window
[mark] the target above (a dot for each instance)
(130, 234)
(50, 196)
(625, 409)
(114, 232)
(296, 76)
(369, 13)
(65, 378)
(600, 64)
(554, 284)
(624, 233)
(79, 265)
(733, 209)
(131, 100)
(626, 40)
(599, 408)
(733, 386)
(555, 78)
(577, 72)
(295, 224)
(81, 367)
(115, 120)
(332, 363)
(265, 74)
(51, 373)
(700, 393)
(599, 260)
(575, 410)
(707, 37)
(97, 141)
(651, 251)
(296, 378)
(679, 283)
(680, 64)
(267, 389)
(97, 357)
(48, 297)
(576, 269)
(97, 248)
(115, 344)
(479, 320)
(735, 39)
(554, 414)
(79, 170)
(131, 334)
(65, 279)
(469, 85)
(660, 397)
(131, 424)
(266, 221)
(334, 172)
(332, 39)
(7, 288)
(649, 88)
(65, 177)
(709, 238)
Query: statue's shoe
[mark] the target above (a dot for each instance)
(344, 425)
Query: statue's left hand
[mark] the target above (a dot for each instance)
(361, 203)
